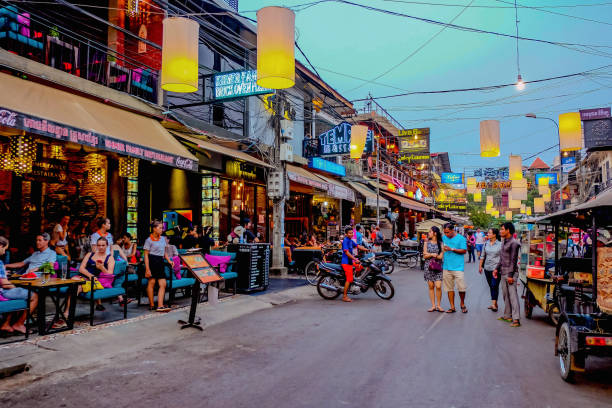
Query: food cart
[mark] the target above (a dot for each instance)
(584, 286)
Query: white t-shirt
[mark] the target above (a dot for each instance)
(479, 238)
(94, 241)
(58, 230)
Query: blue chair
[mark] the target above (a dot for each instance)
(118, 289)
(10, 306)
(229, 273)
(174, 284)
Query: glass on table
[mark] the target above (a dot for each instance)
(64, 270)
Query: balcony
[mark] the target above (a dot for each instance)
(22, 35)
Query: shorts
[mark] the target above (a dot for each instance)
(157, 267)
(479, 247)
(449, 278)
(14, 293)
(348, 272)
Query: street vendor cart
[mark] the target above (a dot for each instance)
(584, 286)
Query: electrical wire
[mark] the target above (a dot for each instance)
(557, 13)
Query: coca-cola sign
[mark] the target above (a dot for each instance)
(67, 133)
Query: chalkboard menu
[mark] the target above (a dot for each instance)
(252, 266)
(598, 134)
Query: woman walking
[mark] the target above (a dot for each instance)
(471, 244)
(154, 253)
(489, 259)
(433, 253)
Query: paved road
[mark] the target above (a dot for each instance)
(316, 353)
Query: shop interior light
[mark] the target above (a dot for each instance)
(275, 47)
(359, 134)
(489, 138)
(570, 132)
(180, 55)
(515, 167)
(128, 167)
(6, 163)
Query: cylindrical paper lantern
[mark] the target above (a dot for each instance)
(570, 131)
(523, 208)
(528, 210)
(546, 197)
(519, 193)
(478, 195)
(489, 138)
(275, 48)
(359, 134)
(538, 205)
(495, 213)
(543, 190)
(180, 55)
(512, 201)
(509, 215)
(489, 202)
(516, 167)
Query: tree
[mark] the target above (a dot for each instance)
(480, 219)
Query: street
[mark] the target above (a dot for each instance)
(311, 352)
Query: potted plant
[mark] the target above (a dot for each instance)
(46, 269)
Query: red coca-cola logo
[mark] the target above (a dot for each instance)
(7, 118)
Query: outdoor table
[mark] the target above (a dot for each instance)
(51, 289)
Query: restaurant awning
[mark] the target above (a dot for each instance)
(369, 195)
(61, 115)
(217, 148)
(404, 201)
(426, 225)
(303, 176)
(338, 189)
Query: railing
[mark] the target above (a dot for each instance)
(23, 35)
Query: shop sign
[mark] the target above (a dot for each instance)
(492, 173)
(326, 165)
(568, 163)
(451, 206)
(451, 178)
(498, 184)
(552, 178)
(593, 114)
(337, 141)
(237, 84)
(307, 181)
(66, 133)
(241, 170)
(53, 171)
(597, 134)
(340, 192)
(414, 145)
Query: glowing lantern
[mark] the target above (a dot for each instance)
(128, 167)
(538, 205)
(22, 153)
(516, 167)
(489, 202)
(570, 132)
(495, 213)
(513, 202)
(391, 186)
(96, 173)
(509, 215)
(489, 138)
(180, 55)
(542, 190)
(478, 196)
(359, 134)
(546, 197)
(275, 48)
(528, 210)
(523, 208)
(6, 163)
(471, 185)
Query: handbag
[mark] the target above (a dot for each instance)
(435, 265)
(87, 285)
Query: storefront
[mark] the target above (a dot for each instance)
(63, 154)
(233, 188)
(300, 208)
(365, 211)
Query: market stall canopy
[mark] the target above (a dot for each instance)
(426, 225)
(338, 189)
(404, 201)
(576, 214)
(303, 176)
(218, 148)
(61, 115)
(369, 195)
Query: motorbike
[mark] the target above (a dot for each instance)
(331, 280)
(406, 257)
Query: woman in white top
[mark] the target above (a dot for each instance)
(155, 268)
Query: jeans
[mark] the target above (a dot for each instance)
(472, 256)
(493, 284)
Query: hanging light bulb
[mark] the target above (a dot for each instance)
(489, 138)
(520, 85)
(275, 47)
(180, 55)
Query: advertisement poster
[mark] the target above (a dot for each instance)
(414, 145)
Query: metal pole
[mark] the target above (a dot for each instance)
(377, 181)
(278, 255)
(594, 260)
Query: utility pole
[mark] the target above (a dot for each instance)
(278, 216)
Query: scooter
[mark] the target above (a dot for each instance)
(331, 280)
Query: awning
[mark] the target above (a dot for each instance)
(404, 201)
(369, 195)
(217, 148)
(303, 176)
(61, 115)
(427, 224)
(338, 189)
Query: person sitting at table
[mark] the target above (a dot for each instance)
(289, 246)
(10, 292)
(103, 231)
(43, 254)
(191, 239)
(206, 240)
(312, 241)
(125, 248)
(248, 234)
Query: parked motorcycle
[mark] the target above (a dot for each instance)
(406, 257)
(331, 280)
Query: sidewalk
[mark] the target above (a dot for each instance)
(82, 348)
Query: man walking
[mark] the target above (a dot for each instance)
(479, 236)
(455, 247)
(508, 271)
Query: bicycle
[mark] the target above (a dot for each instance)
(76, 206)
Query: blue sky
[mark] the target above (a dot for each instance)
(343, 40)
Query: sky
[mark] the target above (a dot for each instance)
(345, 42)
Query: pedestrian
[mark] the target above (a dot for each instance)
(206, 240)
(154, 253)
(508, 272)
(433, 255)
(190, 241)
(455, 247)
(491, 251)
(480, 238)
(471, 243)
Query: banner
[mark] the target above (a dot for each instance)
(451, 178)
(451, 206)
(414, 145)
(552, 178)
(567, 164)
(492, 173)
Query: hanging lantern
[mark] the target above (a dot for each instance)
(359, 134)
(508, 215)
(542, 190)
(56, 151)
(22, 153)
(523, 208)
(6, 163)
(180, 55)
(519, 189)
(515, 168)
(471, 185)
(275, 48)
(489, 202)
(518, 184)
(96, 173)
(22, 166)
(489, 138)
(513, 202)
(538, 205)
(570, 131)
(128, 167)
(478, 196)
(528, 210)
(546, 197)
(495, 213)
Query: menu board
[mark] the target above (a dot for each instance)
(200, 268)
(604, 279)
(252, 265)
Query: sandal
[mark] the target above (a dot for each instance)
(505, 319)
(490, 307)
(162, 309)
(128, 301)
(347, 299)
(433, 309)
(464, 309)
(451, 310)
(100, 308)
(494, 309)
(515, 323)
(439, 309)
